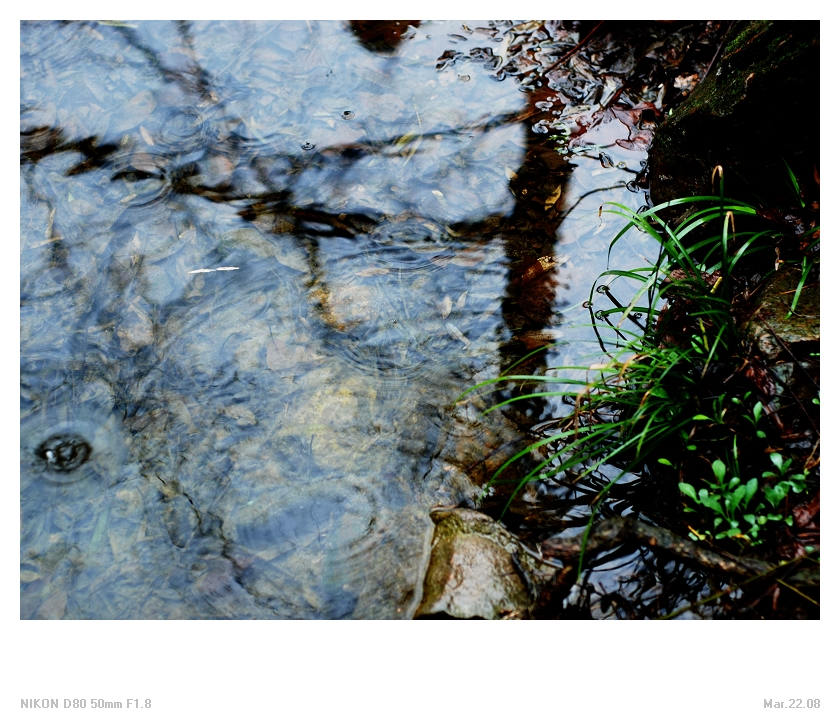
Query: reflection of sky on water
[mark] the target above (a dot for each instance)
(266, 439)
(260, 435)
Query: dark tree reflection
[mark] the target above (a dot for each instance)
(175, 178)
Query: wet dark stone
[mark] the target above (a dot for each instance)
(64, 452)
(753, 111)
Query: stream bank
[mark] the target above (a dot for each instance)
(725, 119)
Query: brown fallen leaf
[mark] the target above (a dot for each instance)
(552, 199)
(542, 266)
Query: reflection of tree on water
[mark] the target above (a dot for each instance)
(381, 35)
(276, 207)
(528, 233)
(262, 186)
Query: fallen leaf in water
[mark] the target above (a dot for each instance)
(469, 257)
(445, 306)
(552, 199)
(371, 271)
(147, 138)
(455, 333)
(141, 105)
(542, 266)
(241, 414)
(533, 339)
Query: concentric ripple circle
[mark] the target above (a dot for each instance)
(64, 452)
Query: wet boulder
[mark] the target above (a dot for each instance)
(477, 569)
(750, 115)
(772, 326)
(785, 342)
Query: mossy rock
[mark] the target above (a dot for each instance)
(772, 326)
(757, 108)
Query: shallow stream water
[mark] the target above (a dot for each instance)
(259, 263)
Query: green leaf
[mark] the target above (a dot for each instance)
(774, 494)
(719, 469)
(738, 495)
(710, 501)
(689, 490)
(665, 461)
(751, 488)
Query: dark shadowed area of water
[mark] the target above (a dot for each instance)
(259, 263)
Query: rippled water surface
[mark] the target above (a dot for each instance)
(259, 262)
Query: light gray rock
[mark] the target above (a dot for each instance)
(477, 569)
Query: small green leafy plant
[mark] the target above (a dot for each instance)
(736, 507)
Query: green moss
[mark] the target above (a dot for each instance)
(745, 36)
(758, 53)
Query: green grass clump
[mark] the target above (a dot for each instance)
(670, 398)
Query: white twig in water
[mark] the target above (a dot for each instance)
(206, 270)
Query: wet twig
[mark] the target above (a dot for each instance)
(717, 52)
(609, 533)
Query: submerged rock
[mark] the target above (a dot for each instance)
(477, 569)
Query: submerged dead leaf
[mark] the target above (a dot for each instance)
(533, 339)
(541, 266)
(372, 271)
(445, 306)
(241, 414)
(147, 138)
(552, 199)
(455, 333)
